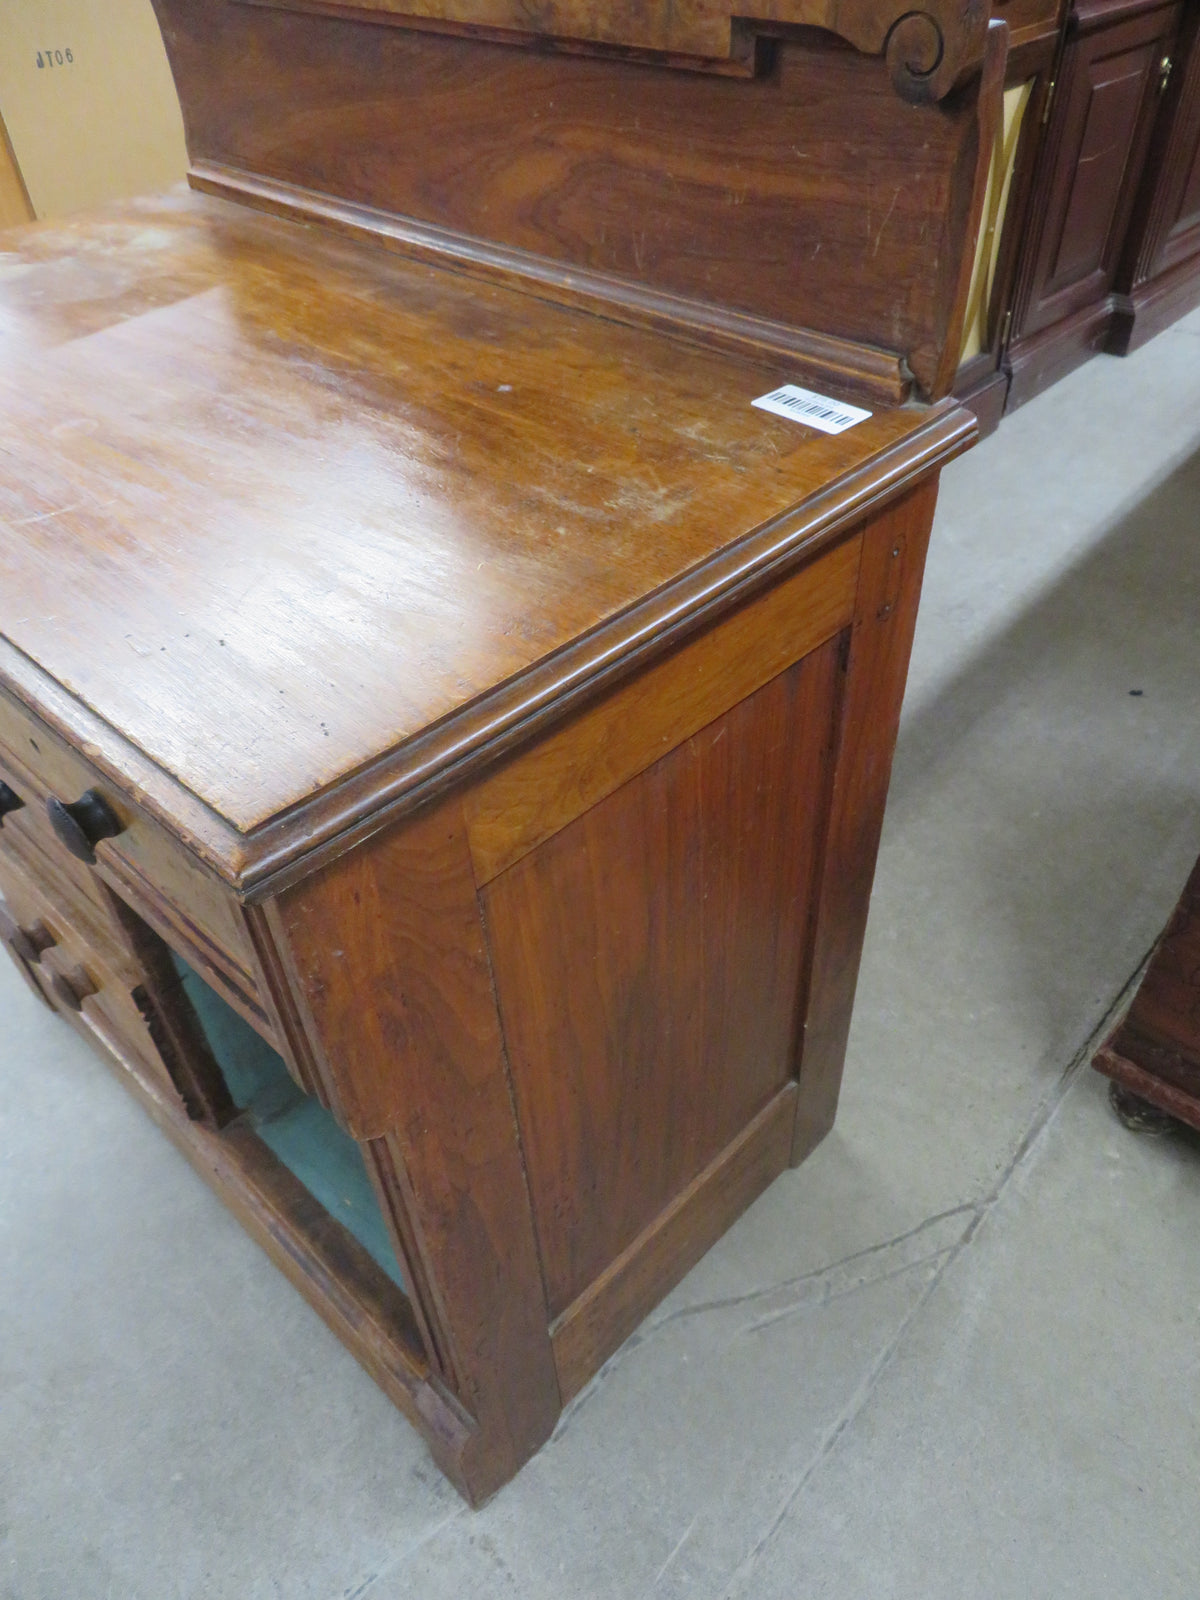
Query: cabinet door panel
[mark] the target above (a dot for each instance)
(1166, 221)
(649, 960)
(1180, 237)
(1094, 156)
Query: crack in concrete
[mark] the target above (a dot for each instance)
(365, 1585)
(807, 1291)
(1045, 1115)
(814, 1277)
(813, 1290)
(818, 1302)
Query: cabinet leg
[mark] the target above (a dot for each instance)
(1138, 1115)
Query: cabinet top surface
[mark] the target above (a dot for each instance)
(273, 502)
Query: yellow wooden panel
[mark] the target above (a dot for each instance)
(976, 333)
(14, 202)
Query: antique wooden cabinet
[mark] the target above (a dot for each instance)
(445, 722)
(1110, 80)
(1159, 276)
(1094, 208)
(1153, 1055)
(1035, 41)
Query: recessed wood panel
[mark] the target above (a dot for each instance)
(1092, 162)
(1115, 94)
(649, 962)
(543, 789)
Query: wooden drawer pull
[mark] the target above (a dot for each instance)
(72, 989)
(81, 825)
(29, 943)
(10, 800)
(25, 945)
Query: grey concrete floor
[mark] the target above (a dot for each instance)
(956, 1354)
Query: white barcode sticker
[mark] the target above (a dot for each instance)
(817, 410)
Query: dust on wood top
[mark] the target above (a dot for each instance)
(273, 503)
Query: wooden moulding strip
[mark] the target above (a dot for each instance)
(547, 786)
(262, 863)
(449, 752)
(862, 369)
(371, 1316)
(609, 1309)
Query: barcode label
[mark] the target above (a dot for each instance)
(817, 410)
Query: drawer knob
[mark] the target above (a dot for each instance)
(81, 826)
(25, 945)
(10, 800)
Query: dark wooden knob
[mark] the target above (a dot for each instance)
(10, 800)
(72, 988)
(81, 826)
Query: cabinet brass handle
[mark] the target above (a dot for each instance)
(81, 825)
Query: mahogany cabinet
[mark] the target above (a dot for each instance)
(1110, 80)
(445, 721)
(1095, 205)
(1159, 276)
(1035, 31)
(1153, 1054)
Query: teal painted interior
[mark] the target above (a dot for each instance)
(298, 1130)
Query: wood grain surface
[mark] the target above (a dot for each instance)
(320, 499)
(885, 620)
(810, 195)
(559, 778)
(928, 56)
(391, 975)
(649, 960)
(613, 1304)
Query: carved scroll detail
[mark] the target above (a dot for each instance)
(928, 50)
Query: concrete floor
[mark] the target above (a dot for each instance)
(955, 1355)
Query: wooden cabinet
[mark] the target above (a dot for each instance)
(1153, 1054)
(1107, 90)
(1100, 246)
(1159, 277)
(1110, 79)
(446, 719)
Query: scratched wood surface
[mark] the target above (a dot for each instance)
(317, 498)
(714, 32)
(648, 960)
(810, 196)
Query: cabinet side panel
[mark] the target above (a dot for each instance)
(893, 567)
(385, 951)
(649, 959)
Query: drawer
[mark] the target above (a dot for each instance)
(106, 994)
(151, 871)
